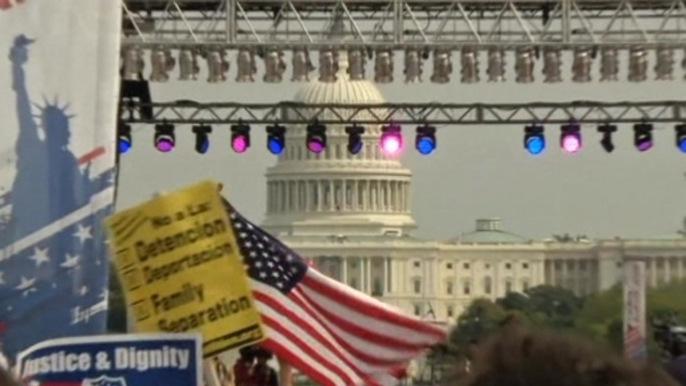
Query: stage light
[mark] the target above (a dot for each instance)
(552, 65)
(276, 139)
(356, 64)
(581, 65)
(124, 140)
(496, 65)
(274, 66)
(391, 139)
(606, 141)
(425, 141)
(162, 62)
(570, 139)
(643, 136)
(217, 66)
(246, 67)
(681, 137)
(240, 137)
(165, 140)
(664, 65)
(188, 65)
(328, 66)
(443, 66)
(609, 64)
(534, 140)
(302, 65)
(638, 64)
(355, 143)
(413, 66)
(202, 138)
(316, 137)
(469, 59)
(383, 66)
(133, 64)
(524, 65)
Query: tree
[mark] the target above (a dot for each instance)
(480, 319)
(515, 301)
(554, 306)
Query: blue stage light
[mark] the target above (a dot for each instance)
(276, 139)
(534, 140)
(425, 141)
(124, 139)
(681, 137)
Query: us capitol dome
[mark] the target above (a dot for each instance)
(351, 216)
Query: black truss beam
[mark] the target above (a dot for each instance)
(592, 112)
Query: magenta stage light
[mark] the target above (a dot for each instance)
(315, 145)
(571, 143)
(239, 143)
(165, 145)
(391, 143)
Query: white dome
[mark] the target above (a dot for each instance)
(336, 192)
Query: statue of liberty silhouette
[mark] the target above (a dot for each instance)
(49, 183)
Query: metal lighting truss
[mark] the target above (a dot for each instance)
(189, 112)
(402, 24)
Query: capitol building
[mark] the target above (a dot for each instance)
(352, 216)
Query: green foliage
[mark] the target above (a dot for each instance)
(598, 316)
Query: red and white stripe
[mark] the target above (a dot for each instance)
(341, 337)
(634, 343)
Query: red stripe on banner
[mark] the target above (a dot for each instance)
(351, 301)
(92, 155)
(295, 360)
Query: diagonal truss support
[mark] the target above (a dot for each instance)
(400, 24)
(186, 112)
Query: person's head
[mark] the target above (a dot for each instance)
(247, 354)
(518, 357)
(472, 346)
(263, 356)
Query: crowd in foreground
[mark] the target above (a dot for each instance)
(515, 356)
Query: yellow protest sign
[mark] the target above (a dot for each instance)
(181, 269)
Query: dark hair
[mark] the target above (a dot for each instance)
(247, 353)
(261, 353)
(518, 357)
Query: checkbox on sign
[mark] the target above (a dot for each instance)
(132, 279)
(140, 310)
(125, 258)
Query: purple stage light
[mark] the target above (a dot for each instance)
(645, 145)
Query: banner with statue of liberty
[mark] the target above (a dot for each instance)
(59, 87)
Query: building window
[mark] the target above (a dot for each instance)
(465, 265)
(450, 311)
(449, 265)
(525, 265)
(449, 288)
(508, 287)
(488, 266)
(488, 285)
(525, 285)
(417, 264)
(418, 309)
(508, 266)
(417, 286)
(378, 290)
(467, 287)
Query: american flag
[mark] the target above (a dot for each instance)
(333, 334)
(53, 282)
(634, 344)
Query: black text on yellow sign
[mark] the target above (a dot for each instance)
(181, 270)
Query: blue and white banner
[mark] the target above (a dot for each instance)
(114, 360)
(59, 87)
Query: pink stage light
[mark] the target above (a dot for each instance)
(239, 144)
(571, 143)
(391, 143)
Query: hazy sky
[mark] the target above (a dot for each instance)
(479, 171)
